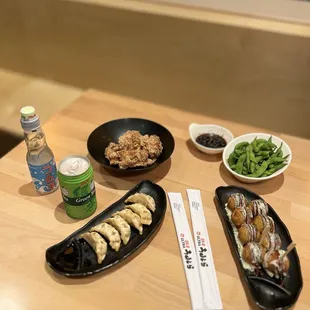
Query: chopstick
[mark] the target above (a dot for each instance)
(197, 259)
(187, 250)
(210, 290)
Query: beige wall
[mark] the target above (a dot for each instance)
(288, 10)
(234, 73)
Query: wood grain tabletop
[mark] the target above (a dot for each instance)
(153, 278)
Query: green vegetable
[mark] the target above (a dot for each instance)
(239, 151)
(275, 160)
(278, 151)
(236, 156)
(245, 171)
(254, 145)
(252, 167)
(259, 145)
(231, 159)
(241, 145)
(233, 167)
(267, 173)
(263, 153)
(260, 158)
(264, 147)
(259, 172)
(240, 162)
(270, 144)
(278, 167)
(249, 150)
(269, 140)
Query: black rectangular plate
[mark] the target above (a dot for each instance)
(83, 260)
(267, 292)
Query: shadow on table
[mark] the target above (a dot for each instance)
(85, 280)
(202, 156)
(59, 212)
(261, 188)
(117, 180)
(8, 141)
(28, 190)
(61, 215)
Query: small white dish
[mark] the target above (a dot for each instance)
(249, 138)
(196, 129)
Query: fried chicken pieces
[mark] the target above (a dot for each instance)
(134, 150)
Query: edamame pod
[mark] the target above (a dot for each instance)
(254, 145)
(240, 162)
(245, 171)
(263, 153)
(264, 147)
(275, 160)
(239, 151)
(252, 167)
(231, 159)
(248, 152)
(278, 167)
(241, 145)
(259, 172)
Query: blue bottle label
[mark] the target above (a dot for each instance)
(44, 177)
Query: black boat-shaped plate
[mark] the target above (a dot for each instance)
(267, 292)
(73, 257)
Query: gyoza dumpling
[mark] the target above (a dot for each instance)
(142, 211)
(144, 199)
(122, 226)
(97, 243)
(132, 219)
(110, 233)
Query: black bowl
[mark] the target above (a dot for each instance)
(108, 132)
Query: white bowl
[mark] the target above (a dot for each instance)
(195, 130)
(249, 138)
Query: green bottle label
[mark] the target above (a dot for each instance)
(79, 201)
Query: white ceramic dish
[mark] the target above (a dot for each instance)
(249, 138)
(195, 130)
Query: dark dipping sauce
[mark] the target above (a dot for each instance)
(211, 140)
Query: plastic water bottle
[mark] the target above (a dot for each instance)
(40, 158)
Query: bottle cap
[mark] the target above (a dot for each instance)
(28, 112)
(29, 119)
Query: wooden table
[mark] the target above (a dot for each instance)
(154, 279)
